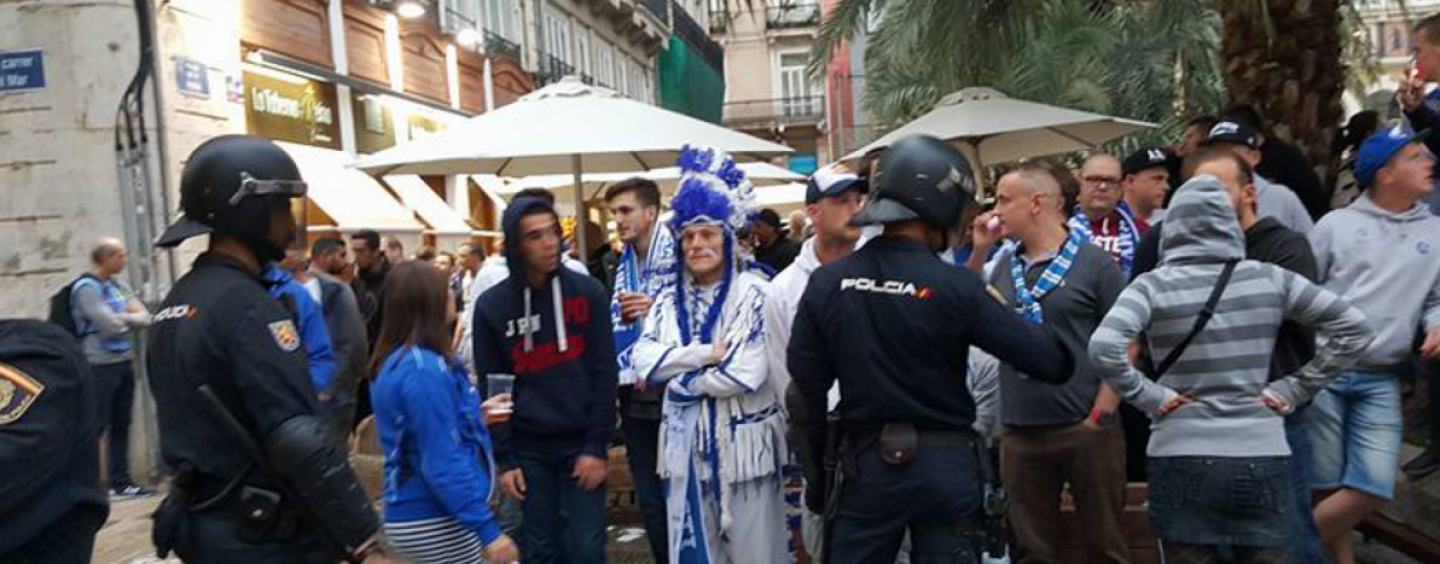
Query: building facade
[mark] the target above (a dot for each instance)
(769, 92)
(1389, 25)
(326, 79)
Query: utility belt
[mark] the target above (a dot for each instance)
(260, 513)
(898, 444)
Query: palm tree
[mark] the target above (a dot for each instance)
(1284, 57)
(1155, 60)
(1151, 60)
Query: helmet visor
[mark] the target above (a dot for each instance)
(251, 186)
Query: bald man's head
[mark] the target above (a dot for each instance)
(108, 257)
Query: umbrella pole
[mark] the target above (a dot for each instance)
(580, 216)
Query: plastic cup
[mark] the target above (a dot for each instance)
(498, 385)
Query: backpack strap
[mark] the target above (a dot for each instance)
(1200, 320)
(83, 326)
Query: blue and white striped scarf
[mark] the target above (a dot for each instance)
(1027, 301)
(1129, 234)
(654, 276)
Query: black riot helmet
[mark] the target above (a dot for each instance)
(920, 177)
(229, 187)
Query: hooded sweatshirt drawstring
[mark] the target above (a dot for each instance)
(559, 313)
(558, 303)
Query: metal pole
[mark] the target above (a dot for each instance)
(580, 216)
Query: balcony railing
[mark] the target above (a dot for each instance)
(498, 45)
(690, 31)
(552, 69)
(657, 8)
(792, 16)
(719, 22)
(800, 110)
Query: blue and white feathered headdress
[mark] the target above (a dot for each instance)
(713, 191)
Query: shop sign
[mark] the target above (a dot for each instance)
(291, 108)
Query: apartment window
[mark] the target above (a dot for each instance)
(557, 35)
(796, 90)
(606, 75)
(584, 55)
(502, 18)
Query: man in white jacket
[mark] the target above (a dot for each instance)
(832, 197)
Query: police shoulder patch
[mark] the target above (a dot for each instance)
(285, 335)
(18, 391)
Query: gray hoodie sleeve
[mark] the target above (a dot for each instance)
(1345, 334)
(93, 307)
(1110, 349)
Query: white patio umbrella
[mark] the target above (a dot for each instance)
(992, 128)
(760, 174)
(565, 127)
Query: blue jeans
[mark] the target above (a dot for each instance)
(563, 524)
(1355, 429)
(1307, 548)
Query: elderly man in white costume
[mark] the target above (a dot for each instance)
(723, 435)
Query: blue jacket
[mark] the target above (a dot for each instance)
(310, 319)
(438, 460)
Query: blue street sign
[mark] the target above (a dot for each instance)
(22, 70)
(192, 78)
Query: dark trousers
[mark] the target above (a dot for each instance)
(213, 537)
(1037, 464)
(70, 540)
(1432, 370)
(563, 524)
(936, 497)
(642, 445)
(116, 399)
(1192, 554)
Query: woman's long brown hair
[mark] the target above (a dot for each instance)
(414, 305)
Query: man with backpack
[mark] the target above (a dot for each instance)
(105, 314)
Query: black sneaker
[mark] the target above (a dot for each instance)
(1423, 465)
(131, 491)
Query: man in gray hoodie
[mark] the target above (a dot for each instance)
(107, 313)
(1218, 458)
(1380, 253)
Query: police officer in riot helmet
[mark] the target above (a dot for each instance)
(892, 323)
(255, 481)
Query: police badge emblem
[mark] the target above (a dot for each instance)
(285, 335)
(18, 391)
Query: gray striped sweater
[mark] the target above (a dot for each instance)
(1226, 367)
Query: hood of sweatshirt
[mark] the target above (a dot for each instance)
(1419, 212)
(510, 222)
(1200, 226)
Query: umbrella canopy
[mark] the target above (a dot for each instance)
(569, 127)
(542, 132)
(993, 128)
(759, 174)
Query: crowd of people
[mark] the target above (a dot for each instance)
(1208, 318)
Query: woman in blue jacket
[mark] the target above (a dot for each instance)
(439, 467)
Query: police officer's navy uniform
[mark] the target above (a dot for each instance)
(255, 479)
(220, 327)
(893, 324)
(51, 502)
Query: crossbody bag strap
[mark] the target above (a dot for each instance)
(1200, 321)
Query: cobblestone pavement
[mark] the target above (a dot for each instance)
(126, 537)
